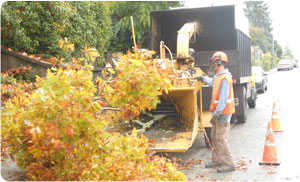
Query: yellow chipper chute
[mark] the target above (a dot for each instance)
(178, 130)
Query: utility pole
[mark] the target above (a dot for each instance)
(272, 61)
(272, 45)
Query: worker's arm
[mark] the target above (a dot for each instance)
(224, 92)
(207, 80)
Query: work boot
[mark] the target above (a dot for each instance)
(226, 168)
(213, 164)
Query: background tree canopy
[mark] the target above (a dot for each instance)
(36, 27)
(140, 11)
(258, 15)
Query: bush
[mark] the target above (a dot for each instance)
(22, 74)
(267, 62)
(17, 78)
(136, 83)
(58, 133)
(36, 27)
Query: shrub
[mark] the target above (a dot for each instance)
(35, 27)
(58, 133)
(136, 83)
(23, 74)
(17, 78)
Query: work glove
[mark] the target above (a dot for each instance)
(214, 119)
(199, 78)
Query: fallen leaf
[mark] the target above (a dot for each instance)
(199, 161)
(152, 141)
(245, 133)
(271, 172)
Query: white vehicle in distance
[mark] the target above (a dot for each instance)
(285, 64)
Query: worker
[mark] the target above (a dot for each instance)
(222, 107)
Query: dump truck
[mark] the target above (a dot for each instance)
(215, 30)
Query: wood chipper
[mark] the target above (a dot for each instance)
(179, 128)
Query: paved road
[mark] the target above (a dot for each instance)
(247, 140)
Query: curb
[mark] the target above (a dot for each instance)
(271, 71)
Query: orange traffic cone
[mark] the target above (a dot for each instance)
(275, 119)
(270, 152)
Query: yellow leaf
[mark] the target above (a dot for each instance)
(60, 43)
(111, 70)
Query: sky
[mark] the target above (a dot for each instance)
(284, 15)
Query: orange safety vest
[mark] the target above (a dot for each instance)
(230, 107)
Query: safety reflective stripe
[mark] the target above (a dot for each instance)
(275, 116)
(270, 144)
(228, 101)
(275, 109)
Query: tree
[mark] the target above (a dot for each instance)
(277, 49)
(260, 32)
(121, 12)
(287, 53)
(35, 26)
(258, 15)
(260, 38)
(91, 25)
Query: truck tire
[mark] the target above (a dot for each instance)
(252, 103)
(252, 99)
(263, 88)
(243, 104)
(208, 132)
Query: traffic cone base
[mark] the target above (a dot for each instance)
(270, 163)
(270, 152)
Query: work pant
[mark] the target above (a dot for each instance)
(221, 152)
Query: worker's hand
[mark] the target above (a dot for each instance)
(199, 78)
(214, 118)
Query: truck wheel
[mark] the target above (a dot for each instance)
(252, 99)
(243, 104)
(252, 103)
(263, 88)
(208, 132)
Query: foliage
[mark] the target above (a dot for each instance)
(8, 79)
(267, 61)
(258, 15)
(287, 54)
(25, 74)
(260, 32)
(17, 78)
(36, 26)
(260, 38)
(140, 11)
(91, 26)
(137, 83)
(58, 133)
(130, 161)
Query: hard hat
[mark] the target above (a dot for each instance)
(219, 56)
